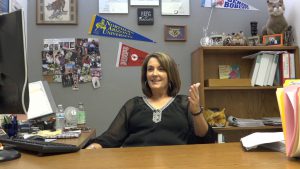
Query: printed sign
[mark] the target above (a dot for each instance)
(145, 16)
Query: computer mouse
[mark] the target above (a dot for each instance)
(36, 137)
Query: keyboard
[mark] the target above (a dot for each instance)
(39, 147)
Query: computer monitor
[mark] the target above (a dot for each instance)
(41, 100)
(14, 93)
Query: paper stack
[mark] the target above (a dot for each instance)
(289, 104)
(241, 122)
(272, 121)
(270, 140)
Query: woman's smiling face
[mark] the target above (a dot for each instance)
(156, 76)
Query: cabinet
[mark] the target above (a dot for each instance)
(243, 102)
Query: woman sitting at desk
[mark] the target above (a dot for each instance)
(161, 117)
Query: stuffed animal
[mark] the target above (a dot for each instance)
(236, 39)
(239, 39)
(215, 118)
(276, 23)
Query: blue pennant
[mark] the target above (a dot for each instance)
(103, 27)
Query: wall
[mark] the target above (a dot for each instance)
(292, 15)
(120, 84)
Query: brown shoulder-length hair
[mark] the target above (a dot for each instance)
(169, 66)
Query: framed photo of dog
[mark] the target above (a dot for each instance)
(273, 40)
(57, 12)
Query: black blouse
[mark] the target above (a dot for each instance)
(134, 126)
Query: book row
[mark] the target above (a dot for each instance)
(272, 68)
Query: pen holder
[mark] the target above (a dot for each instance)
(11, 126)
(10, 129)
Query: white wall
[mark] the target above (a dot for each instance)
(292, 14)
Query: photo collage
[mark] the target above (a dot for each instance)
(72, 61)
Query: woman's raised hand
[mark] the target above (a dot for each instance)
(194, 98)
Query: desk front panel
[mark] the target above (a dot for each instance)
(208, 156)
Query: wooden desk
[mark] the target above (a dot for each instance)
(81, 141)
(206, 156)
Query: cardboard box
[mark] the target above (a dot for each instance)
(228, 82)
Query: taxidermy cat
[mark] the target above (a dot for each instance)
(276, 23)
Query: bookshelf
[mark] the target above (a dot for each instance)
(243, 102)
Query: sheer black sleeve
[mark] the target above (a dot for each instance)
(210, 137)
(115, 135)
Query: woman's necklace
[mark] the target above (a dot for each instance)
(156, 116)
(157, 113)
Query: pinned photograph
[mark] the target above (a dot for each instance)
(71, 61)
(75, 82)
(96, 82)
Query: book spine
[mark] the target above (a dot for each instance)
(254, 73)
(269, 67)
(292, 66)
(262, 72)
(273, 70)
(285, 67)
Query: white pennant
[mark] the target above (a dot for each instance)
(227, 4)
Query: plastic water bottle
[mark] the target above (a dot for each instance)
(81, 115)
(60, 118)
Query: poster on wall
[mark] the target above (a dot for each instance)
(144, 2)
(56, 12)
(129, 56)
(113, 6)
(175, 7)
(102, 27)
(71, 61)
(4, 7)
(229, 4)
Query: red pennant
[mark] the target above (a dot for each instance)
(129, 56)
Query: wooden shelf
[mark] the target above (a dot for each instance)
(243, 88)
(239, 101)
(232, 128)
(234, 134)
(234, 49)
